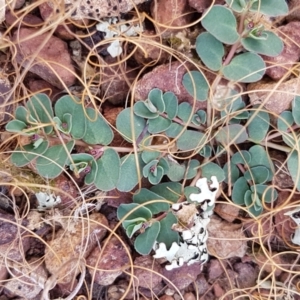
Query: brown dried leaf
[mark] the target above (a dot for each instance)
(225, 239)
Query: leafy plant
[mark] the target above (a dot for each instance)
(232, 45)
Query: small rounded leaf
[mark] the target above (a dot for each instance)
(210, 51)
(271, 46)
(240, 188)
(221, 23)
(144, 242)
(258, 126)
(246, 67)
(258, 174)
(196, 85)
(271, 8)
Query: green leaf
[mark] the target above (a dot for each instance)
(156, 176)
(271, 8)
(259, 157)
(145, 195)
(237, 5)
(258, 174)
(158, 124)
(144, 242)
(234, 173)
(40, 108)
(211, 169)
(221, 23)
(149, 155)
(241, 157)
(250, 201)
(232, 134)
(170, 191)
(176, 171)
(16, 126)
(23, 156)
(79, 158)
(190, 140)
(156, 98)
(149, 167)
(210, 51)
(267, 194)
(196, 85)
(67, 104)
(199, 117)
(141, 212)
(245, 67)
(22, 114)
(171, 104)
(240, 187)
(206, 151)
(124, 123)
(192, 169)
(259, 125)
(271, 46)
(52, 163)
(174, 130)
(141, 110)
(129, 177)
(185, 111)
(284, 122)
(98, 131)
(91, 176)
(166, 234)
(296, 109)
(109, 165)
(293, 166)
(133, 228)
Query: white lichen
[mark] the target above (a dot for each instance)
(114, 28)
(192, 227)
(294, 214)
(47, 200)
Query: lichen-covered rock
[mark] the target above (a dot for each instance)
(147, 272)
(96, 9)
(280, 65)
(276, 98)
(174, 13)
(68, 245)
(52, 62)
(111, 260)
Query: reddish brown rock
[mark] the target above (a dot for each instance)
(49, 15)
(5, 97)
(78, 240)
(189, 296)
(53, 55)
(247, 275)
(42, 86)
(284, 225)
(269, 264)
(25, 20)
(149, 50)
(116, 81)
(166, 297)
(290, 34)
(24, 286)
(171, 13)
(111, 260)
(147, 271)
(294, 10)
(167, 77)
(276, 98)
(227, 211)
(218, 291)
(18, 4)
(202, 5)
(215, 269)
(182, 277)
(202, 284)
